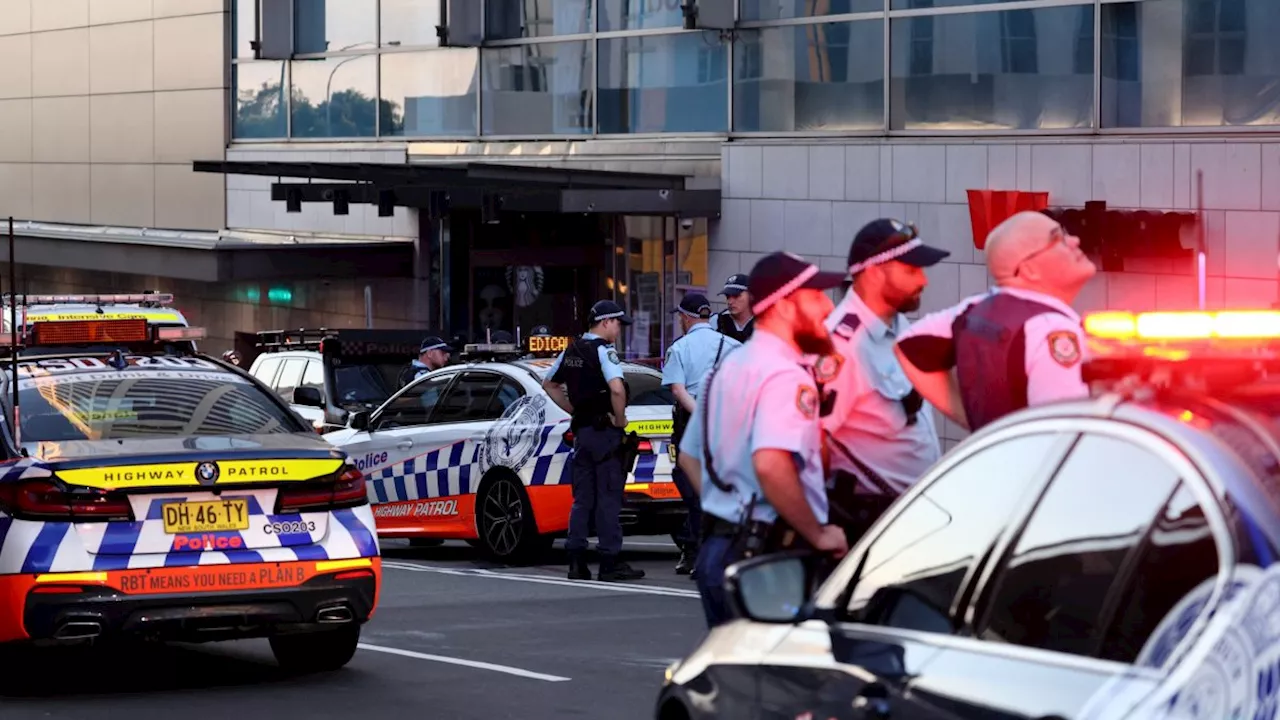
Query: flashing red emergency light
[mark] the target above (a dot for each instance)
(82, 332)
(1193, 325)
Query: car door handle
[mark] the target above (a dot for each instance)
(872, 703)
(404, 444)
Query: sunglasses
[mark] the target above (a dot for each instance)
(1057, 236)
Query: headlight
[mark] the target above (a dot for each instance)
(669, 673)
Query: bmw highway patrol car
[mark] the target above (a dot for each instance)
(478, 451)
(172, 497)
(1105, 558)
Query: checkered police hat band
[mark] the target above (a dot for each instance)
(788, 288)
(886, 256)
(609, 316)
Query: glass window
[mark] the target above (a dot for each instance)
(828, 76)
(921, 4)
(786, 9)
(469, 399)
(508, 393)
(366, 383)
(410, 23)
(266, 370)
(647, 389)
(290, 376)
(914, 569)
(1003, 70)
(1054, 590)
(415, 405)
(244, 27)
(136, 403)
(663, 83)
(260, 100)
(313, 376)
(429, 93)
(1189, 63)
(640, 14)
(537, 89)
(513, 19)
(321, 26)
(334, 97)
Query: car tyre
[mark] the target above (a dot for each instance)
(507, 530)
(314, 652)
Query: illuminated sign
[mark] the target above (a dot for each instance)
(548, 344)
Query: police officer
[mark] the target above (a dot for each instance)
(433, 354)
(737, 321)
(1018, 345)
(689, 360)
(540, 331)
(755, 443)
(881, 433)
(586, 381)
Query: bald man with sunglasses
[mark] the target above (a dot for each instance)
(1019, 344)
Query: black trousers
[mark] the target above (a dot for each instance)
(688, 538)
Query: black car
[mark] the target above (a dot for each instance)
(1104, 558)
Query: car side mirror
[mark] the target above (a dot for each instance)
(359, 420)
(772, 588)
(309, 396)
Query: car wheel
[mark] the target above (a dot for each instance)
(505, 524)
(316, 651)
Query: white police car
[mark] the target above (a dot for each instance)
(478, 451)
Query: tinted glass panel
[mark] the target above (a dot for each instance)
(508, 393)
(914, 569)
(665, 83)
(1005, 70)
(260, 100)
(334, 25)
(414, 407)
(779, 9)
(289, 378)
(639, 14)
(137, 404)
(1067, 562)
(365, 384)
(469, 399)
(335, 97)
(313, 377)
(410, 22)
(430, 93)
(810, 77)
(921, 4)
(243, 27)
(543, 88)
(647, 389)
(1189, 63)
(511, 19)
(266, 371)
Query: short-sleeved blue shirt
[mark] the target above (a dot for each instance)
(691, 358)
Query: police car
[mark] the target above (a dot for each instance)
(478, 451)
(1114, 557)
(170, 496)
(71, 311)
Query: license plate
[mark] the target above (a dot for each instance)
(663, 491)
(206, 516)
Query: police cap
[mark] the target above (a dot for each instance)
(434, 343)
(501, 337)
(777, 275)
(735, 285)
(540, 331)
(886, 239)
(608, 310)
(694, 305)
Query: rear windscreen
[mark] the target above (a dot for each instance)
(647, 389)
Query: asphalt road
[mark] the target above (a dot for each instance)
(453, 637)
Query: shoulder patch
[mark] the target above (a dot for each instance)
(807, 401)
(828, 367)
(613, 357)
(1064, 347)
(848, 325)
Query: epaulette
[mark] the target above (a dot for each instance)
(848, 325)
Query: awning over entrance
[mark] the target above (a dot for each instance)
(491, 188)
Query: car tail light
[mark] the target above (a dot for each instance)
(568, 438)
(646, 447)
(347, 491)
(43, 500)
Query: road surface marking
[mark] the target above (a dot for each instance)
(465, 663)
(540, 580)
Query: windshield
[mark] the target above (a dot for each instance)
(366, 383)
(83, 399)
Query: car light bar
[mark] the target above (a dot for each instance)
(86, 332)
(179, 333)
(1225, 324)
(120, 298)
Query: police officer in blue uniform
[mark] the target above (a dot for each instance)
(433, 354)
(689, 360)
(586, 381)
(755, 444)
(737, 321)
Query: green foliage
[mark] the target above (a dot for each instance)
(346, 113)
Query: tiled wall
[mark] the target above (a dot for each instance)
(249, 204)
(812, 198)
(104, 104)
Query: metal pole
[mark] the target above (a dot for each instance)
(13, 334)
(368, 307)
(1200, 243)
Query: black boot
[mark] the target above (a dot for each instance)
(687, 558)
(614, 570)
(578, 569)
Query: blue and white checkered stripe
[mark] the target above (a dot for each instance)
(36, 547)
